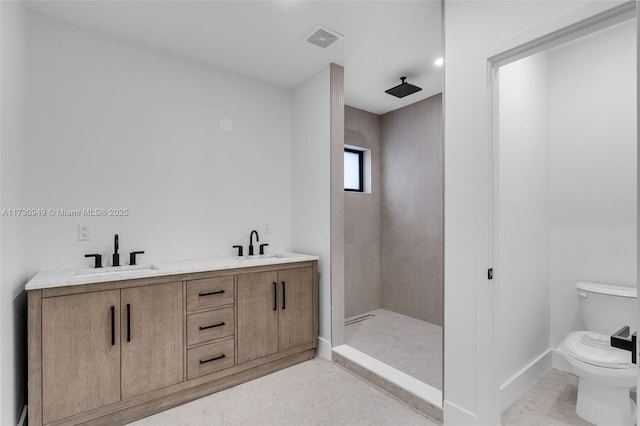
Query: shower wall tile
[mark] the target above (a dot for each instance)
(362, 233)
(394, 236)
(412, 222)
(362, 288)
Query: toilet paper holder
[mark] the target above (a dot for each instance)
(621, 340)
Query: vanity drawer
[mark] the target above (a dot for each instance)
(209, 293)
(209, 325)
(210, 358)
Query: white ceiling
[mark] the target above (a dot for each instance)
(264, 40)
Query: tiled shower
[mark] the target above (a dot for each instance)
(394, 239)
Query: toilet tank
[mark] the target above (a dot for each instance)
(606, 308)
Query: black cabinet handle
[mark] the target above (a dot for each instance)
(128, 322)
(212, 359)
(212, 293)
(113, 326)
(211, 326)
(275, 296)
(284, 295)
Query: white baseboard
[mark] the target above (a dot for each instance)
(520, 382)
(23, 416)
(324, 348)
(454, 415)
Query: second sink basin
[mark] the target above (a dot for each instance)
(114, 269)
(262, 256)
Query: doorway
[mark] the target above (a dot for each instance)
(564, 172)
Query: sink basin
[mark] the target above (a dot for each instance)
(108, 270)
(263, 256)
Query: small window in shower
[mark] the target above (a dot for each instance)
(353, 170)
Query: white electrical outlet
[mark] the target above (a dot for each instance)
(267, 228)
(84, 232)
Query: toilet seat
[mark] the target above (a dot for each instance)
(595, 349)
(603, 391)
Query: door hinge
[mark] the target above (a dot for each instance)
(490, 273)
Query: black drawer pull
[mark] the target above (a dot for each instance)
(113, 326)
(211, 294)
(211, 326)
(212, 359)
(128, 322)
(275, 296)
(284, 295)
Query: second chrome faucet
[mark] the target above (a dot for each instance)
(115, 258)
(251, 241)
(262, 246)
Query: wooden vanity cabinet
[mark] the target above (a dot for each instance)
(210, 325)
(112, 352)
(152, 338)
(257, 315)
(275, 312)
(295, 316)
(101, 347)
(80, 353)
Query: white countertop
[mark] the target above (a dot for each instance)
(69, 277)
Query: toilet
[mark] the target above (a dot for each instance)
(606, 374)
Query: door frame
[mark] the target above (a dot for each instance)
(598, 21)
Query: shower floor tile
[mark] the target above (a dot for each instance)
(408, 344)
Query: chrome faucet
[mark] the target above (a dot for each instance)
(251, 241)
(116, 256)
(97, 258)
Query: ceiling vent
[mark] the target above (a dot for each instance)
(323, 37)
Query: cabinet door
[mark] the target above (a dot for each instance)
(152, 338)
(296, 307)
(257, 315)
(80, 353)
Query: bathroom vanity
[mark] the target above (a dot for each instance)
(112, 347)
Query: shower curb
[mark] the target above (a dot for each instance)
(409, 398)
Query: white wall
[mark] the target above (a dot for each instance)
(115, 125)
(12, 195)
(311, 225)
(523, 244)
(474, 32)
(592, 89)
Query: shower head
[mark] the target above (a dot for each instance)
(403, 89)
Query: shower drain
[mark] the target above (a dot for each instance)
(359, 319)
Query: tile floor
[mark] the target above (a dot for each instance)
(319, 392)
(408, 344)
(551, 401)
(316, 392)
